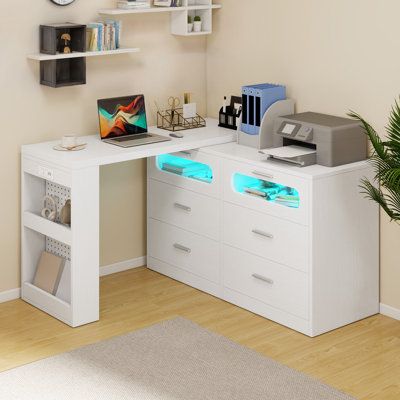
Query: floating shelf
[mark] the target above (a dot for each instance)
(120, 11)
(77, 54)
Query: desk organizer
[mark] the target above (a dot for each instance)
(173, 120)
(229, 118)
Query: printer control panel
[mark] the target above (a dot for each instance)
(295, 131)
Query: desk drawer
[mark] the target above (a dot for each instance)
(275, 239)
(183, 249)
(273, 284)
(188, 210)
(190, 170)
(268, 191)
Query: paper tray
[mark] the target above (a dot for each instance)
(292, 154)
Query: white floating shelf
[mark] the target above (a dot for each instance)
(77, 54)
(193, 33)
(121, 11)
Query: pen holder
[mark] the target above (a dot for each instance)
(229, 118)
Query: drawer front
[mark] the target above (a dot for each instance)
(188, 210)
(188, 251)
(273, 284)
(190, 170)
(268, 191)
(275, 239)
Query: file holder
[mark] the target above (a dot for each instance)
(266, 139)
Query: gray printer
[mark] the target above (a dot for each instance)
(311, 138)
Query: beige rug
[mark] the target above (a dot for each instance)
(173, 360)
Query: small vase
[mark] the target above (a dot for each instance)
(197, 26)
(190, 28)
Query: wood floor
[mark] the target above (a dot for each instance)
(362, 359)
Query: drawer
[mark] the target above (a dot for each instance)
(273, 284)
(275, 239)
(188, 251)
(188, 210)
(190, 170)
(268, 191)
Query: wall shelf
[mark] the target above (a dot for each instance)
(120, 11)
(77, 54)
(179, 15)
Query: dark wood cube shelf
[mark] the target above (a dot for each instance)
(50, 37)
(64, 71)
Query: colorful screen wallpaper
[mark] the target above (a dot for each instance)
(122, 116)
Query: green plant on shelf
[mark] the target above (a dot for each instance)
(189, 19)
(197, 18)
(385, 187)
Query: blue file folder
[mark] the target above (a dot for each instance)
(256, 99)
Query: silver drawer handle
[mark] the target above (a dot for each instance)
(186, 153)
(263, 174)
(263, 278)
(183, 207)
(182, 248)
(262, 233)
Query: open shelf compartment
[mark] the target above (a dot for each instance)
(267, 191)
(183, 167)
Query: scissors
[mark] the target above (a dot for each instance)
(174, 102)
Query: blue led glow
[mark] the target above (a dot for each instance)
(184, 167)
(269, 191)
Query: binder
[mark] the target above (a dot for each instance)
(256, 100)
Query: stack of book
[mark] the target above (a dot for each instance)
(133, 4)
(102, 36)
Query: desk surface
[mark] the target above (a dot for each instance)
(100, 153)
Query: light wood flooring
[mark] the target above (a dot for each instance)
(362, 359)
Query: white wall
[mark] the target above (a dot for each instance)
(168, 65)
(332, 56)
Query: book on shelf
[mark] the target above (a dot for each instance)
(102, 36)
(133, 5)
(48, 272)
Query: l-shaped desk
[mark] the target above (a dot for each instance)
(307, 259)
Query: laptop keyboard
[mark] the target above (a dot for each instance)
(132, 137)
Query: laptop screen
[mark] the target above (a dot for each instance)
(122, 116)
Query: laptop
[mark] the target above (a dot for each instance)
(123, 122)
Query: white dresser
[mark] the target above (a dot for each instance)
(296, 245)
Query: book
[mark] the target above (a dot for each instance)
(48, 272)
(103, 35)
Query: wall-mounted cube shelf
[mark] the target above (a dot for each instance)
(58, 69)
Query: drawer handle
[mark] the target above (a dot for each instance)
(263, 174)
(182, 248)
(262, 233)
(182, 207)
(263, 278)
(186, 153)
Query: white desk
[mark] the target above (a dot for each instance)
(312, 266)
(76, 174)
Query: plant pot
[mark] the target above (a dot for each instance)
(197, 26)
(190, 28)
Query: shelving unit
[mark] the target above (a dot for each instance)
(179, 15)
(74, 303)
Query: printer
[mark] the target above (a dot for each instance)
(311, 138)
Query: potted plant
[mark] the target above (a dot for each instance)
(385, 189)
(190, 24)
(197, 23)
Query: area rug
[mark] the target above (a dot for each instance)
(173, 360)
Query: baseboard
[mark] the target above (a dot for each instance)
(123, 266)
(9, 295)
(390, 311)
(14, 294)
